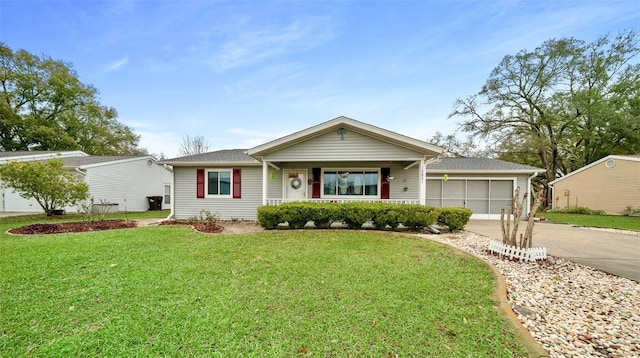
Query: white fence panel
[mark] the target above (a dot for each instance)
(531, 254)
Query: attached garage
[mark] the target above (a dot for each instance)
(465, 182)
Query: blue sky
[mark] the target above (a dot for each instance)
(241, 73)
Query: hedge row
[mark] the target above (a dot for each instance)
(355, 214)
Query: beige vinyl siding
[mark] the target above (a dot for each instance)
(127, 183)
(186, 204)
(601, 188)
(355, 146)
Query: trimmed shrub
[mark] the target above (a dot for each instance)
(579, 210)
(296, 214)
(454, 218)
(420, 216)
(388, 216)
(323, 214)
(269, 217)
(630, 211)
(354, 215)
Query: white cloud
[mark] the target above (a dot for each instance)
(246, 45)
(116, 65)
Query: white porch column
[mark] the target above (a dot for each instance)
(265, 181)
(422, 188)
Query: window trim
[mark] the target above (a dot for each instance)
(363, 196)
(206, 183)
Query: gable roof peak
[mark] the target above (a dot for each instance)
(347, 123)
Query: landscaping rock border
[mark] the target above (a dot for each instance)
(570, 309)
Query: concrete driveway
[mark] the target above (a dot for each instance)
(615, 253)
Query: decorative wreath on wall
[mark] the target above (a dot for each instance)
(296, 183)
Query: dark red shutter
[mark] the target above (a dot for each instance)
(200, 183)
(384, 190)
(237, 183)
(315, 185)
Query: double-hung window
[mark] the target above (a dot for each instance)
(218, 183)
(359, 183)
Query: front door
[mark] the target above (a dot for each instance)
(295, 185)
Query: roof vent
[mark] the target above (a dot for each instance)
(610, 163)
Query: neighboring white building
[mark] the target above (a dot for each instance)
(123, 180)
(342, 160)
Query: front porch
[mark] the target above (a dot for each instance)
(342, 182)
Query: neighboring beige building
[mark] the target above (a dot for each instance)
(610, 184)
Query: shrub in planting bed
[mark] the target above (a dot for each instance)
(355, 214)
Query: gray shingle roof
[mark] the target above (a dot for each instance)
(26, 152)
(80, 161)
(479, 164)
(221, 156)
(446, 164)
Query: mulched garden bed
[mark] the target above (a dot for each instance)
(201, 226)
(77, 226)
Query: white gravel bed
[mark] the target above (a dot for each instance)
(570, 309)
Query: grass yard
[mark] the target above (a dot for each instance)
(605, 221)
(169, 291)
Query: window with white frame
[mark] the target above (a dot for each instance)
(218, 183)
(167, 193)
(361, 183)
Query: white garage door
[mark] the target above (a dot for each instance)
(485, 197)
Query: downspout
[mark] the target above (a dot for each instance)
(173, 197)
(535, 174)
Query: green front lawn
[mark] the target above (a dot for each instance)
(604, 221)
(15, 221)
(169, 291)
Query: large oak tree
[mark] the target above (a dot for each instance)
(44, 106)
(561, 106)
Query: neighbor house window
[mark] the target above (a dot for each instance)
(218, 183)
(167, 194)
(350, 183)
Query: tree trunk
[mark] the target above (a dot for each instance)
(509, 234)
(528, 234)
